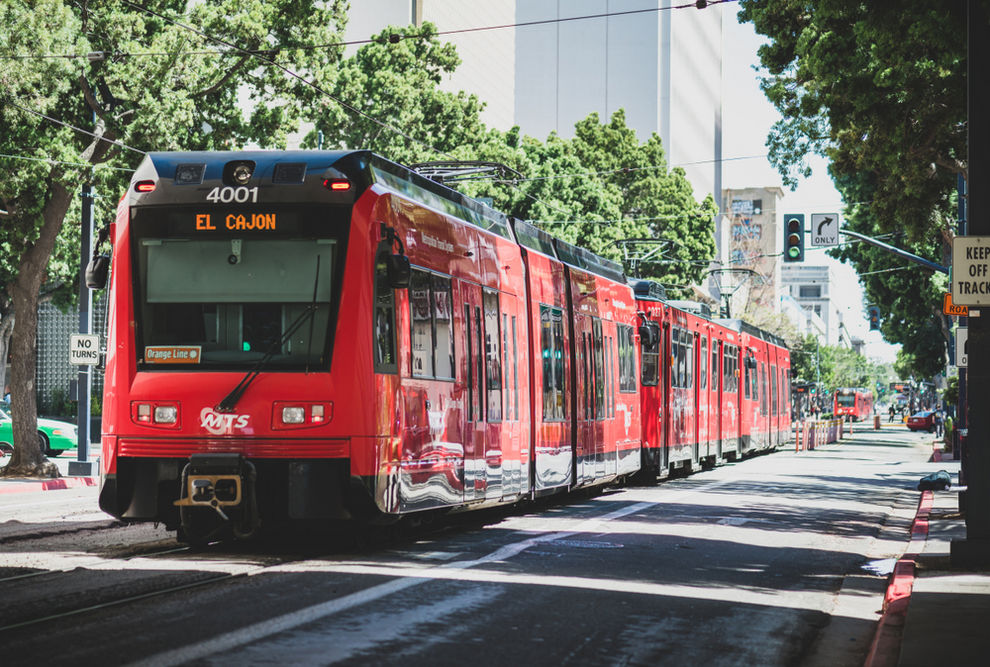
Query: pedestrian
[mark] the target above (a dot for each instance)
(892, 411)
(937, 418)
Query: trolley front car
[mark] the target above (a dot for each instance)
(314, 336)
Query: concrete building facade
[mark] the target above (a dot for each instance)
(555, 62)
(747, 273)
(811, 287)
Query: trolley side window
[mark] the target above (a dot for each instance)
(552, 348)
(715, 346)
(431, 326)
(469, 348)
(493, 358)
(599, 368)
(627, 359)
(763, 388)
(515, 369)
(650, 362)
(774, 396)
(385, 361)
(703, 363)
(611, 375)
(507, 368)
(730, 365)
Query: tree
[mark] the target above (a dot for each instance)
(627, 195)
(152, 80)
(835, 367)
(148, 82)
(599, 190)
(878, 89)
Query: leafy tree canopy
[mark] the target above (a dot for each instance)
(598, 190)
(834, 367)
(167, 76)
(139, 80)
(878, 89)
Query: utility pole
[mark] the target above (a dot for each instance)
(963, 322)
(82, 465)
(975, 549)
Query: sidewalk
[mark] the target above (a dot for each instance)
(66, 481)
(934, 614)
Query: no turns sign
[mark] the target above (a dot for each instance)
(84, 349)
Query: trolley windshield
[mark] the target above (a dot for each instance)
(222, 289)
(845, 400)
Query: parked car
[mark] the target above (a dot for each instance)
(54, 437)
(922, 421)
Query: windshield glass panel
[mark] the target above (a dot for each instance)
(224, 298)
(846, 400)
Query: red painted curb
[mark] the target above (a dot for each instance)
(886, 647)
(25, 485)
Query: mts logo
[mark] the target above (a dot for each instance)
(222, 424)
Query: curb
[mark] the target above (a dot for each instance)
(886, 647)
(25, 485)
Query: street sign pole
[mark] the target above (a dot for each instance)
(975, 549)
(82, 465)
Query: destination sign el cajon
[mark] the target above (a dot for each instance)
(971, 270)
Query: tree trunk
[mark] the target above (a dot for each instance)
(27, 459)
(6, 327)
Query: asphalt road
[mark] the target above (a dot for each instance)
(775, 560)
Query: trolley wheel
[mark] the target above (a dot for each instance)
(200, 526)
(6, 449)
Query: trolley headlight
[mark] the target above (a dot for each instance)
(164, 414)
(293, 415)
(241, 174)
(297, 414)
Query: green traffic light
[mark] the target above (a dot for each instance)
(794, 252)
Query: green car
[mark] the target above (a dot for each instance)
(54, 437)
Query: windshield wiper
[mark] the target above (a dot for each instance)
(230, 401)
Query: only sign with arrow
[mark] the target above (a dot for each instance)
(824, 229)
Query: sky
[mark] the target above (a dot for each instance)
(746, 120)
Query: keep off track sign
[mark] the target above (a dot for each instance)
(971, 270)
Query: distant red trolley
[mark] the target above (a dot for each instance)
(305, 337)
(852, 403)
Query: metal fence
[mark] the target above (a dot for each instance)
(56, 378)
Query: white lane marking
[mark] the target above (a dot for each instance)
(267, 628)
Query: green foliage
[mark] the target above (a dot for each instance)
(950, 395)
(878, 89)
(598, 190)
(154, 84)
(58, 404)
(394, 84)
(835, 367)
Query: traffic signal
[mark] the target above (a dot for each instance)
(873, 312)
(794, 237)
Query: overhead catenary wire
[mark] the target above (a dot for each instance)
(114, 142)
(261, 55)
(291, 73)
(48, 160)
(391, 38)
